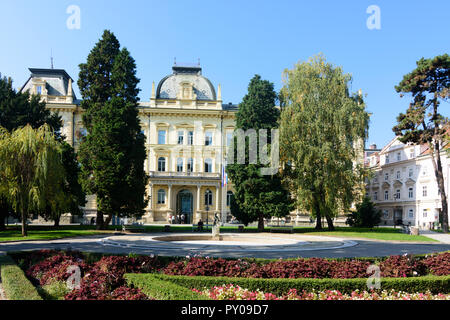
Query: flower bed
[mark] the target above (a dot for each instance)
(232, 292)
(102, 277)
(100, 280)
(316, 268)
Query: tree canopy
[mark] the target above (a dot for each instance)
(112, 155)
(322, 129)
(423, 123)
(257, 196)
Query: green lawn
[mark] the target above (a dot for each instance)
(47, 233)
(389, 234)
(50, 233)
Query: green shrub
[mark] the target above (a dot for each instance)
(161, 289)
(281, 286)
(54, 291)
(15, 283)
(365, 216)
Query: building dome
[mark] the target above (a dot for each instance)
(169, 87)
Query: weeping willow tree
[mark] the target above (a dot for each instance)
(31, 171)
(322, 127)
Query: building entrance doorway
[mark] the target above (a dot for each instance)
(185, 206)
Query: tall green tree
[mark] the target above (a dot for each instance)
(18, 109)
(423, 122)
(112, 155)
(322, 127)
(258, 196)
(30, 164)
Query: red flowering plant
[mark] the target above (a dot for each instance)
(402, 266)
(438, 265)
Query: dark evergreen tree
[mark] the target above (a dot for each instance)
(257, 196)
(365, 216)
(423, 122)
(112, 155)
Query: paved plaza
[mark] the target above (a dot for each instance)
(248, 245)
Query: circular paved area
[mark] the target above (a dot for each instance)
(325, 247)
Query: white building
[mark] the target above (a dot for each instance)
(403, 185)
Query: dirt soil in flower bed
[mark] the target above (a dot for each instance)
(102, 277)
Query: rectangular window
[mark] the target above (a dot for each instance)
(180, 137)
(399, 175)
(399, 156)
(410, 193)
(386, 214)
(208, 138)
(386, 176)
(412, 154)
(190, 165)
(229, 137)
(411, 213)
(179, 165)
(190, 138)
(425, 213)
(411, 173)
(39, 89)
(397, 194)
(162, 137)
(424, 191)
(386, 195)
(387, 158)
(375, 196)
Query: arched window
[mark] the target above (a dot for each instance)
(208, 198)
(230, 195)
(161, 196)
(180, 165)
(208, 165)
(161, 164)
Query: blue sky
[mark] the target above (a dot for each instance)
(235, 40)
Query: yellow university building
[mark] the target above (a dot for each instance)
(188, 129)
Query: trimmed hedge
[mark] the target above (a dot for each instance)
(15, 283)
(434, 284)
(160, 289)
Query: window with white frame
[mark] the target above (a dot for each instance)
(161, 196)
(386, 195)
(387, 158)
(425, 213)
(386, 176)
(399, 175)
(161, 164)
(190, 138)
(411, 213)
(397, 194)
(180, 137)
(208, 165)
(424, 191)
(410, 172)
(208, 138)
(412, 154)
(375, 196)
(161, 136)
(180, 165)
(410, 193)
(190, 165)
(399, 156)
(208, 198)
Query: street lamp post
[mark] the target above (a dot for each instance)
(207, 216)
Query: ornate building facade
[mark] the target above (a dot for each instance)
(404, 185)
(188, 129)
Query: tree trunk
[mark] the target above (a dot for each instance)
(24, 224)
(317, 214)
(261, 223)
(57, 221)
(106, 222)
(99, 220)
(2, 221)
(437, 164)
(329, 222)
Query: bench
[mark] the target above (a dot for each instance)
(281, 229)
(133, 228)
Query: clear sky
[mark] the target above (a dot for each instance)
(235, 40)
